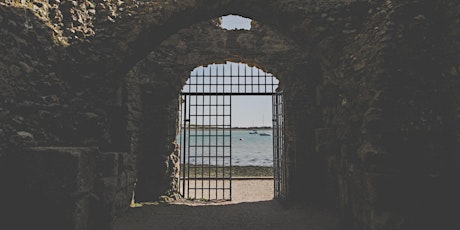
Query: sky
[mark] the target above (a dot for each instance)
(250, 111)
(247, 111)
(231, 22)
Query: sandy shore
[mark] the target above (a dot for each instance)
(237, 171)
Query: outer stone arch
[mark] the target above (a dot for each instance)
(140, 40)
(142, 26)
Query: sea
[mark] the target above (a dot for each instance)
(246, 149)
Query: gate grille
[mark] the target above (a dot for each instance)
(206, 153)
(206, 171)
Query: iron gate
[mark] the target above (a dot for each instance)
(206, 162)
(206, 153)
(279, 158)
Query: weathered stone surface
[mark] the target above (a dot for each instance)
(54, 183)
(383, 74)
(110, 164)
(162, 89)
(68, 170)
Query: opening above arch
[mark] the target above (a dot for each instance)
(235, 22)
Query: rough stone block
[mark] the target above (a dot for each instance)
(107, 188)
(55, 170)
(109, 164)
(52, 212)
(83, 213)
(326, 141)
(327, 95)
(408, 201)
(113, 200)
(114, 164)
(50, 187)
(129, 162)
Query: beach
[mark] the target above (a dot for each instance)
(251, 171)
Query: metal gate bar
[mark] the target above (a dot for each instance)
(279, 158)
(207, 131)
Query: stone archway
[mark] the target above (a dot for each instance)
(164, 72)
(380, 92)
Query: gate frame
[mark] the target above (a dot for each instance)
(279, 154)
(238, 85)
(186, 140)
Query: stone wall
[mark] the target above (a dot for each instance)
(423, 136)
(396, 175)
(371, 92)
(31, 87)
(41, 105)
(65, 188)
(453, 24)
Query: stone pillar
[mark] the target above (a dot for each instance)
(307, 170)
(158, 156)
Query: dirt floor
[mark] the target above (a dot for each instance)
(252, 207)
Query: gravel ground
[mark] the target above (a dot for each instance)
(252, 207)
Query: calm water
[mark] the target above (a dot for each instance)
(247, 149)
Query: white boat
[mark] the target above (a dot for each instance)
(253, 132)
(263, 133)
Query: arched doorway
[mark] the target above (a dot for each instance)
(161, 76)
(207, 132)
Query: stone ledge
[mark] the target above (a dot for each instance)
(110, 163)
(51, 187)
(56, 170)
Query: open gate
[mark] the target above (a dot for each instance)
(279, 158)
(206, 146)
(206, 158)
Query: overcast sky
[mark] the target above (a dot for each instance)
(247, 111)
(232, 22)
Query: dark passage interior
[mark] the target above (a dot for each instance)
(90, 107)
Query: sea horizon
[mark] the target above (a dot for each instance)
(247, 149)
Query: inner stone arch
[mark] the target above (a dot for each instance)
(164, 72)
